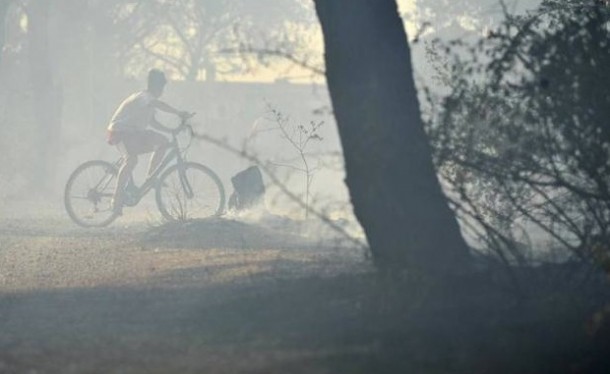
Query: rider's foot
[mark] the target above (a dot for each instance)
(117, 207)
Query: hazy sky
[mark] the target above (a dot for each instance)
(407, 6)
(295, 74)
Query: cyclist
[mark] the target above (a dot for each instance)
(128, 130)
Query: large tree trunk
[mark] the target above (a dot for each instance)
(392, 182)
(47, 96)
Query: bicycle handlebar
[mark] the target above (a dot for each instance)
(187, 116)
(183, 124)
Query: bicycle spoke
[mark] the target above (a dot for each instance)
(89, 192)
(190, 191)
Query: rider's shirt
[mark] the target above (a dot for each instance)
(135, 113)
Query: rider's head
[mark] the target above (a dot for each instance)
(156, 82)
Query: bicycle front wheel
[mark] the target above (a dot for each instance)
(88, 194)
(190, 191)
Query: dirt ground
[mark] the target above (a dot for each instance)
(270, 295)
(223, 296)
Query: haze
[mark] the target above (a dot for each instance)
(304, 186)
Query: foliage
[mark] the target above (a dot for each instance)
(523, 137)
(461, 18)
(187, 37)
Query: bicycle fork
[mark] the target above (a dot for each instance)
(186, 186)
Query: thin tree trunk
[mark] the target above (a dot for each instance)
(47, 97)
(392, 182)
(4, 5)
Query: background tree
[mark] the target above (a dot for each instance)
(189, 37)
(4, 5)
(46, 94)
(393, 186)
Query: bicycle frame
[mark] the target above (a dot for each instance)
(150, 182)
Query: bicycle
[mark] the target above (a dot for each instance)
(184, 190)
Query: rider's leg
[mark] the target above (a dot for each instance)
(129, 163)
(160, 145)
(133, 144)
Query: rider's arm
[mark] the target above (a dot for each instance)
(158, 104)
(159, 126)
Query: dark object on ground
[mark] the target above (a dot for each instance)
(249, 189)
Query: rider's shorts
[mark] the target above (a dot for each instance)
(136, 142)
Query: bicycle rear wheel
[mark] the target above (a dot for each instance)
(189, 191)
(88, 194)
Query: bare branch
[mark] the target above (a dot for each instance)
(275, 53)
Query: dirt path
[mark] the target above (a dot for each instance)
(223, 296)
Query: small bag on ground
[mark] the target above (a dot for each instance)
(249, 189)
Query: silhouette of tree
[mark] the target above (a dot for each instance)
(392, 182)
(4, 5)
(47, 95)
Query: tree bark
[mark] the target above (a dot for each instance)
(393, 185)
